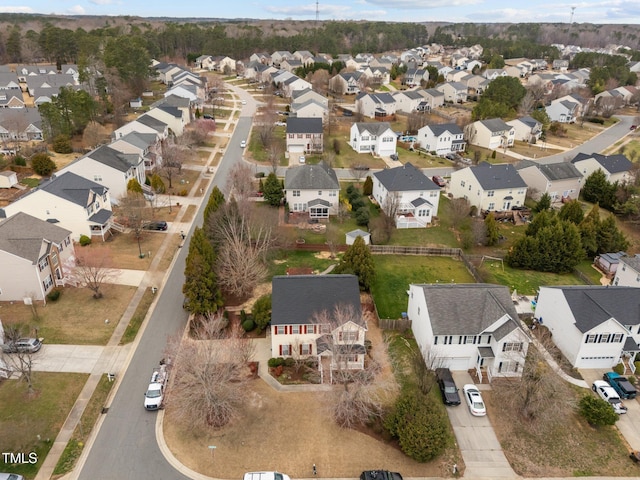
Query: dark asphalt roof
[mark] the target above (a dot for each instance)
(497, 177)
(297, 298)
(404, 178)
(441, 128)
(311, 177)
(304, 125)
(553, 171)
(22, 235)
(594, 304)
(114, 159)
(101, 216)
(611, 163)
(73, 188)
(469, 309)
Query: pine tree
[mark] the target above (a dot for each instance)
(358, 261)
(572, 211)
(201, 285)
(610, 239)
(215, 200)
(367, 188)
(491, 226)
(543, 204)
(272, 190)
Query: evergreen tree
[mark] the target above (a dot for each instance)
(597, 189)
(272, 190)
(201, 286)
(572, 212)
(543, 204)
(133, 186)
(610, 239)
(215, 200)
(358, 261)
(367, 188)
(539, 221)
(589, 231)
(493, 232)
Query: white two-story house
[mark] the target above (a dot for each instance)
(376, 138)
(493, 133)
(312, 188)
(442, 138)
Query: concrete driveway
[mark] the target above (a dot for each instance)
(629, 423)
(480, 448)
(80, 358)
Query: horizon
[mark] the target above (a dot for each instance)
(414, 11)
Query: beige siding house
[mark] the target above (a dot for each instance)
(561, 180)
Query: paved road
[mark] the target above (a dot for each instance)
(126, 446)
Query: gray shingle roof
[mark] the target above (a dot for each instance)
(497, 177)
(113, 158)
(552, 171)
(152, 122)
(441, 128)
(404, 178)
(633, 262)
(593, 305)
(297, 298)
(311, 177)
(73, 188)
(374, 128)
(22, 235)
(496, 125)
(469, 309)
(304, 125)
(611, 163)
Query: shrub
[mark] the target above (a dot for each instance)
(336, 146)
(183, 192)
(289, 362)
(84, 240)
(619, 369)
(597, 411)
(20, 161)
(54, 295)
(62, 144)
(493, 154)
(356, 204)
(262, 312)
(42, 164)
(362, 216)
(597, 120)
(275, 362)
(367, 188)
(248, 324)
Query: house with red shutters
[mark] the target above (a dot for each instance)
(319, 317)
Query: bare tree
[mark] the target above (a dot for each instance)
(119, 95)
(319, 81)
(527, 104)
(94, 268)
(173, 156)
(244, 235)
(459, 210)
(210, 378)
(94, 134)
(275, 152)
(334, 238)
(21, 361)
(196, 133)
(358, 399)
(357, 172)
(415, 121)
(240, 182)
(133, 212)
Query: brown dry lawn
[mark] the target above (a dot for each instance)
(576, 135)
(290, 431)
(124, 248)
(76, 318)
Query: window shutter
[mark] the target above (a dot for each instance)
(310, 348)
(280, 349)
(504, 347)
(300, 347)
(275, 330)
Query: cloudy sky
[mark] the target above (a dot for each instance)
(593, 11)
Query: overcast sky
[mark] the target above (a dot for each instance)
(514, 11)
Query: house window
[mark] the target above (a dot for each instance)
(311, 329)
(418, 310)
(97, 178)
(617, 338)
(433, 194)
(319, 193)
(448, 340)
(490, 193)
(508, 366)
(324, 329)
(44, 263)
(591, 338)
(470, 339)
(48, 282)
(435, 340)
(604, 338)
(512, 347)
(285, 349)
(348, 336)
(333, 193)
(295, 329)
(296, 193)
(305, 349)
(281, 330)
(492, 206)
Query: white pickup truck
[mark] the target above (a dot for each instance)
(155, 392)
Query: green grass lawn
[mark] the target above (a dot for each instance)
(284, 259)
(394, 273)
(586, 268)
(31, 423)
(526, 282)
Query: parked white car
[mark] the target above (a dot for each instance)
(265, 476)
(474, 400)
(608, 393)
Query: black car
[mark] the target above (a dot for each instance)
(380, 475)
(447, 386)
(162, 225)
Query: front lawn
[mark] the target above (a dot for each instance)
(394, 273)
(30, 423)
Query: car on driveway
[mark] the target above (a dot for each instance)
(22, 345)
(606, 392)
(474, 400)
(621, 385)
(160, 226)
(380, 475)
(447, 386)
(438, 180)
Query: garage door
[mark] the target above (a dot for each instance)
(596, 362)
(456, 363)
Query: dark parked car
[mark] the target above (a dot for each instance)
(620, 384)
(26, 345)
(162, 225)
(438, 180)
(380, 475)
(450, 395)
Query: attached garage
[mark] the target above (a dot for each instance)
(454, 363)
(597, 362)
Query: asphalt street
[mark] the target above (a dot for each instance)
(126, 445)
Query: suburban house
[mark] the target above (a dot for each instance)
(347, 83)
(146, 145)
(376, 138)
(175, 118)
(407, 100)
(454, 92)
(407, 194)
(319, 317)
(562, 111)
(20, 125)
(468, 326)
(109, 168)
(309, 104)
(493, 133)
(593, 326)
(617, 168)
(143, 124)
(561, 180)
(36, 256)
(432, 98)
(628, 272)
(442, 138)
(415, 76)
(489, 187)
(70, 201)
(312, 188)
(375, 105)
(304, 135)
(527, 129)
